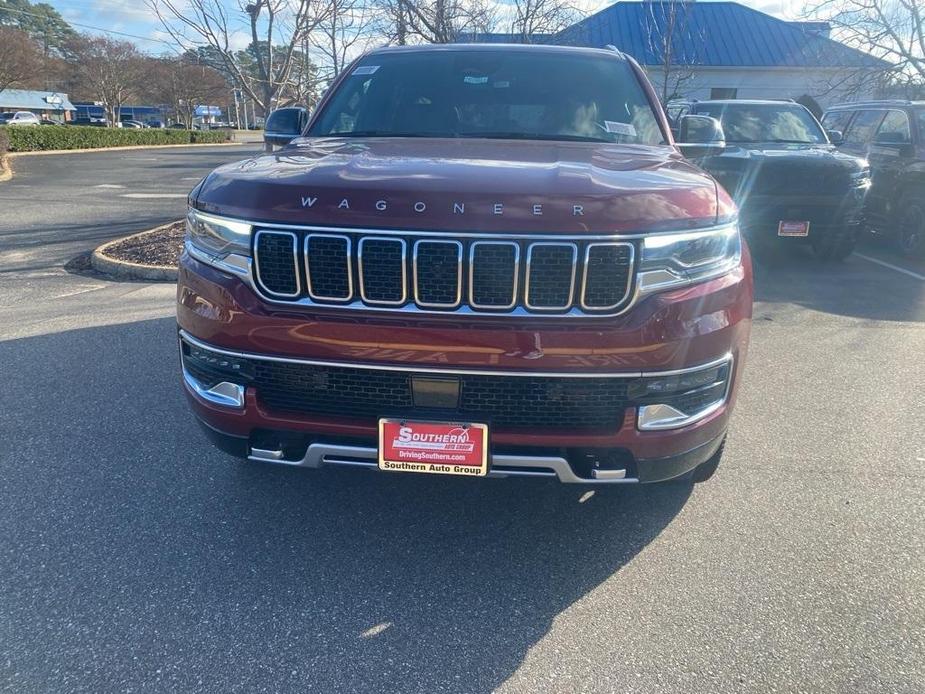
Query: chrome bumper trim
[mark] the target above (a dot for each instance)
(225, 394)
(320, 454)
(424, 368)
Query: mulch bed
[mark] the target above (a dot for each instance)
(161, 248)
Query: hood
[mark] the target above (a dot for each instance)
(783, 169)
(464, 184)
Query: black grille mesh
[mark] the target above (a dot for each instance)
(276, 263)
(493, 274)
(383, 270)
(507, 401)
(328, 266)
(438, 272)
(608, 275)
(550, 275)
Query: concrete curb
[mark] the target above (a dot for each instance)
(123, 149)
(124, 269)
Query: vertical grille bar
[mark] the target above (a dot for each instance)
(328, 267)
(437, 269)
(550, 283)
(608, 275)
(494, 267)
(276, 262)
(383, 270)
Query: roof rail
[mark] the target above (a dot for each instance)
(872, 102)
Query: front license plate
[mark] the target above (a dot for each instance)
(793, 228)
(440, 448)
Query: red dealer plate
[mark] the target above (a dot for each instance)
(436, 447)
(793, 229)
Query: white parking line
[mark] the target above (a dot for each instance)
(153, 196)
(109, 185)
(903, 270)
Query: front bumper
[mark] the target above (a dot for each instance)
(760, 215)
(677, 330)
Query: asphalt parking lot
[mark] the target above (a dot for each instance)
(134, 557)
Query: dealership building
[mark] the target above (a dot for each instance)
(722, 50)
(50, 105)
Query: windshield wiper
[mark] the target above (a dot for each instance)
(512, 135)
(384, 133)
(772, 139)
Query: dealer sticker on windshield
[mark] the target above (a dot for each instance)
(434, 447)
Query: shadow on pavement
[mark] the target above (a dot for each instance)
(136, 556)
(856, 287)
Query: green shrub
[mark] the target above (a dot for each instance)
(34, 139)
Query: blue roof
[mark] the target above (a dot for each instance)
(35, 101)
(710, 34)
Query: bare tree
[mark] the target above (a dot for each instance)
(892, 31)
(344, 32)
(183, 84)
(442, 21)
(669, 32)
(108, 70)
(20, 59)
(277, 29)
(536, 17)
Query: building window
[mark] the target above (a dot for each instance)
(723, 93)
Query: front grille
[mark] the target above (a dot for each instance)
(505, 401)
(277, 269)
(493, 269)
(608, 277)
(551, 275)
(328, 263)
(438, 274)
(382, 271)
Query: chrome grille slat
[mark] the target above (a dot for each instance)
(383, 270)
(467, 275)
(491, 265)
(550, 282)
(278, 272)
(606, 278)
(437, 271)
(328, 267)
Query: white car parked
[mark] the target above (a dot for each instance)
(19, 118)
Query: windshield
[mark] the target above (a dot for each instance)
(492, 94)
(765, 122)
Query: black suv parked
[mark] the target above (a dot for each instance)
(891, 135)
(789, 181)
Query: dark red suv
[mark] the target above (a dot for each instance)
(475, 260)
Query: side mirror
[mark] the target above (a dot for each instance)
(699, 136)
(284, 125)
(836, 137)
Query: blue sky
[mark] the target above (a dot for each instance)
(133, 17)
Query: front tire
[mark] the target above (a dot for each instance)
(911, 227)
(836, 245)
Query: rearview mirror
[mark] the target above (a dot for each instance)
(700, 135)
(284, 125)
(836, 137)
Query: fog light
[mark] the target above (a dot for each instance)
(676, 400)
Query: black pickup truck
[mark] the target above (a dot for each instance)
(790, 182)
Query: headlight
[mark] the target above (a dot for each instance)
(676, 260)
(223, 243)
